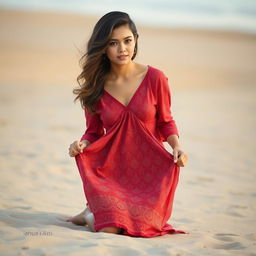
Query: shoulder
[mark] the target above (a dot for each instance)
(156, 74)
(159, 83)
(156, 71)
(158, 78)
(153, 71)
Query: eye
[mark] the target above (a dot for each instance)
(128, 40)
(112, 43)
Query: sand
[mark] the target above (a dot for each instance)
(213, 84)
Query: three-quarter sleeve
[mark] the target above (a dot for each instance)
(94, 127)
(165, 123)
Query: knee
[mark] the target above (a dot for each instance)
(113, 230)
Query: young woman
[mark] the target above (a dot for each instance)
(129, 178)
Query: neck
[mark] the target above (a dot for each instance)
(124, 71)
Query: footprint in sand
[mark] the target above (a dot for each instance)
(229, 242)
(236, 206)
(224, 241)
(225, 237)
(237, 210)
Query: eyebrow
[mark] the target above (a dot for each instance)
(113, 39)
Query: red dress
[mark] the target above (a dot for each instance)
(129, 178)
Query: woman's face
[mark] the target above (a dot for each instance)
(121, 45)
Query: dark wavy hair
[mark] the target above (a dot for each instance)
(95, 63)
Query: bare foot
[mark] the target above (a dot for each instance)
(89, 217)
(79, 218)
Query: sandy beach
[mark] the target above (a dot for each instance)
(213, 84)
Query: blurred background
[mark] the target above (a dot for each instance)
(206, 48)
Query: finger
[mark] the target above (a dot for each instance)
(182, 160)
(82, 146)
(77, 150)
(179, 160)
(180, 163)
(74, 152)
(78, 146)
(175, 155)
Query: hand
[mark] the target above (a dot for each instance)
(179, 157)
(76, 147)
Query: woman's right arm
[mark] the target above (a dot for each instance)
(94, 128)
(93, 132)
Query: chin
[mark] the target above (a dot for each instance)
(120, 62)
(124, 61)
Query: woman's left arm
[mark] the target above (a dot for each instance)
(166, 125)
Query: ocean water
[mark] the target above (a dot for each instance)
(234, 15)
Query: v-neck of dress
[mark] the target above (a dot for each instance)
(134, 94)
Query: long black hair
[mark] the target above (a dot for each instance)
(95, 63)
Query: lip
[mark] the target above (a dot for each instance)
(122, 57)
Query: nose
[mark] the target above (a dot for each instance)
(121, 47)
